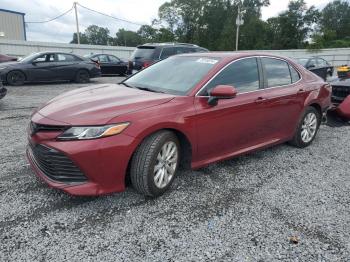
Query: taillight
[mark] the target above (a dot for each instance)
(146, 64)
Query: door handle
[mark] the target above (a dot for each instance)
(260, 99)
(301, 90)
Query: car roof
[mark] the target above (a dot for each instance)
(100, 54)
(167, 44)
(54, 52)
(233, 55)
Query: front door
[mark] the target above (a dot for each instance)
(233, 125)
(42, 68)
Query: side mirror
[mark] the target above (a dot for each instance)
(221, 92)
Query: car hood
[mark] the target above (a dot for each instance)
(98, 104)
(9, 64)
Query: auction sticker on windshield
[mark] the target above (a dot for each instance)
(207, 61)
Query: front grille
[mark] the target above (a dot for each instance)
(55, 165)
(339, 93)
(35, 128)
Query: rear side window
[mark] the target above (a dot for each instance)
(166, 52)
(321, 62)
(277, 72)
(143, 52)
(242, 74)
(113, 58)
(294, 74)
(66, 58)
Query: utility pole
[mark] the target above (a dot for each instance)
(239, 22)
(77, 21)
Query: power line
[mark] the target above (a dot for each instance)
(116, 18)
(50, 20)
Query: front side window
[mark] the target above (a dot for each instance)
(242, 74)
(113, 59)
(276, 71)
(45, 58)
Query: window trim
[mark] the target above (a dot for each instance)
(263, 77)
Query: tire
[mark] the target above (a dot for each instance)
(15, 78)
(307, 128)
(151, 174)
(82, 76)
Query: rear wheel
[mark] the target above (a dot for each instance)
(307, 128)
(155, 163)
(82, 76)
(15, 78)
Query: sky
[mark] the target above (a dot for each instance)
(139, 11)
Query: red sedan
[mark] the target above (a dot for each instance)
(190, 109)
(6, 58)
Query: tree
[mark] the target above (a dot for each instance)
(93, 35)
(290, 29)
(83, 39)
(127, 38)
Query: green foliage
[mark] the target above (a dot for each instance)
(212, 24)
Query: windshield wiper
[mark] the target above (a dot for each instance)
(125, 84)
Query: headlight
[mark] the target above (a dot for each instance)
(2, 68)
(91, 132)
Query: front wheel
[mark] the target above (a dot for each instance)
(307, 128)
(154, 164)
(15, 78)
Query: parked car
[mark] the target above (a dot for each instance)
(110, 64)
(317, 65)
(6, 58)
(208, 107)
(49, 66)
(148, 54)
(341, 92)
(3, 91)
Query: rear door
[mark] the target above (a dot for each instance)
(117, 65)
(67, 66)
(283, 99)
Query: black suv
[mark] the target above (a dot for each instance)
(147, 54)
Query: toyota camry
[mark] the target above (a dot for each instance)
(187, 110)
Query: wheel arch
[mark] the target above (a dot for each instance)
(186, 149)
(20, 70)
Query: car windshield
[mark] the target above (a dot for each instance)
(175, 75)
(28, 58)
(303, 61)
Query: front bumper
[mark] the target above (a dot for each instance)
(103, 162)
(3, 92)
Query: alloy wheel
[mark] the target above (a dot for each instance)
(166, 164)
(309, 127)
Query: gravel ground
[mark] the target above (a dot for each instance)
(281, 203)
